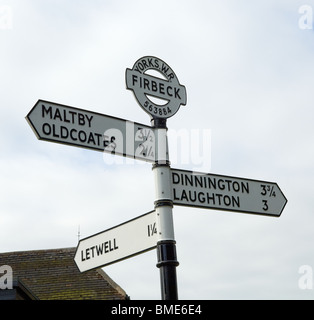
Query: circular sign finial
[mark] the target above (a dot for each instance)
(163, 85)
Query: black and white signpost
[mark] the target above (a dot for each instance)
(72, 126)
(212, 191)
(118, 243)
(158, 91)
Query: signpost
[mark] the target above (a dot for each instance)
(81, 128)
(168, 89)
(76, 127)
(218, 192)
(118, 243)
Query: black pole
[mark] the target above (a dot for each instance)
(167, 263)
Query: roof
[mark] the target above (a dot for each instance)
(53, 275)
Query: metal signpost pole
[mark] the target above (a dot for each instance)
(166, 245)
(167, 88)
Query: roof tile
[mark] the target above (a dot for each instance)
(53, 274)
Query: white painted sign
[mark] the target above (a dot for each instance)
(218, 192)
(118, 243)
(81, 128)
(146, 87)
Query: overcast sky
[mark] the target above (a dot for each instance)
(248, 68)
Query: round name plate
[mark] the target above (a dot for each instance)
(152, 78)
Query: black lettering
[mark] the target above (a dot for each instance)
(184, 196)
(115, 245)
(245, 187)
(150, 62)
(265, 207)
(146, 84)
(65, 116)
(201, 197)
(170, 76)
(235, 201)
(212, 198)
(57, 115)
(64, 132)
(140, 66)
(91, 138)
(168, 89)
(227, 201)
(100, 249)
(46, 129)
(235, 186)
(175, 178)
(89, 119)
(161, 88)
(228, 183)
(219, 198)
(193, 199)
(98, 135)
(72, 113)
(47, 111)
(54, 131)
(221, 185)
(154, 86)
(81, 119)
(198, 181)
(106, 246)
(144, 63)
(110, 247)
(174, 195)
(188, 180)
(211, 183)
(164, 68)
(134, 79)
(176, 93)
(80, 136)
(71, 134)
(92, 248)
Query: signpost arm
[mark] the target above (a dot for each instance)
(166, 246)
